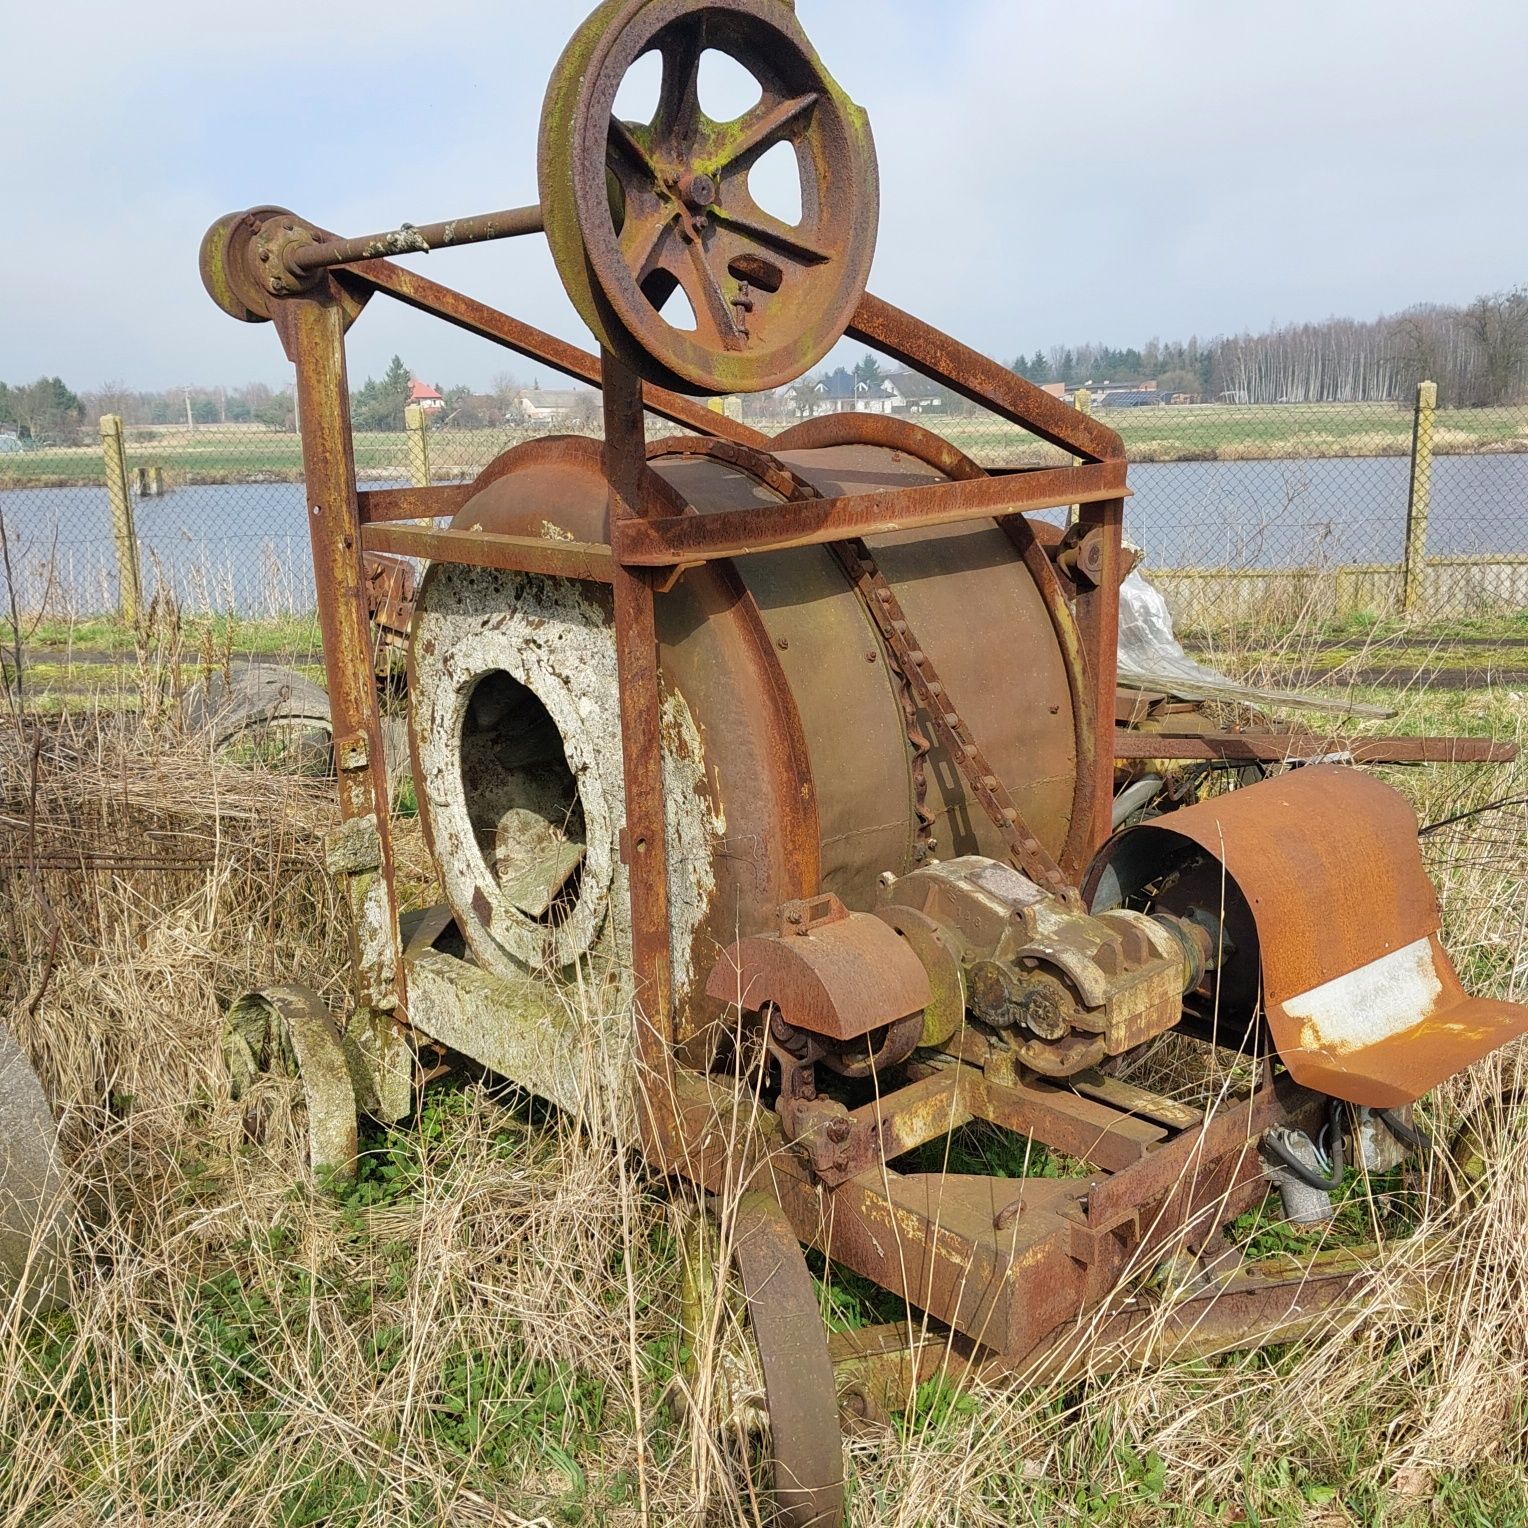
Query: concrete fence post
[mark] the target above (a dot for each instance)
(124, 533)
(1414, 571)
(1082, 401)
(415, 424)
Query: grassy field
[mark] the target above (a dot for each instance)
(484, 1328)
(1208, 432)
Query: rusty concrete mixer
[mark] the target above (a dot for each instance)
(769, 783)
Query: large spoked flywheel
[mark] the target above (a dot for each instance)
(635, 210)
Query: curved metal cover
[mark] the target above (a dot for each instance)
(1362, 1001)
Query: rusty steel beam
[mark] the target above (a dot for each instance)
(974, 376)
(644, 840)
(1279, 1299)
(312, 330)
(485, 549)
(1277, 747)
(438, 502)
(1079, 1127)
(416, 291)
(810, 522)
(1097, 611)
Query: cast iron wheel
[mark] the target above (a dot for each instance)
(799, 1392)
(287, 1032)
(634, 210)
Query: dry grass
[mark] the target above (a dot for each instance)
(485, 1328)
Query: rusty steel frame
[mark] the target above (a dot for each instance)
(1281, 747)
(1008, 1273)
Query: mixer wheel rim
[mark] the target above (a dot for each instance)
(287, 1031)
(800, 1394)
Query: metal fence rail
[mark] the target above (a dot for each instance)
(1244, 513)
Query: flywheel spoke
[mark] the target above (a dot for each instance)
(678, 113)
(713, 311)
(642, 242)
(623, 137)
(773, 234)
(762, 128)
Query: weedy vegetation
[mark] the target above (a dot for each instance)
(484, 1327)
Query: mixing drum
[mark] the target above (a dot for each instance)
(515, 732)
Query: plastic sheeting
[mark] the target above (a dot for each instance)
(1152, 658)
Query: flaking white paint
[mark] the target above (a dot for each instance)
(1366, 1006)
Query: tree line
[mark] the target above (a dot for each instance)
(43, 410)
(1477, 353)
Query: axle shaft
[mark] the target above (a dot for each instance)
(408, 239)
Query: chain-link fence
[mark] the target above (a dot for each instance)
(1244, 513)
(1269, 513)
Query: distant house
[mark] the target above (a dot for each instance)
(901, 392)
(425, 396)
(549, 405)
(838, 393)
(910, 393)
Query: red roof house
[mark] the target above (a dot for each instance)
(425, 395)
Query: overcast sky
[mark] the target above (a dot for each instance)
(1056, 173)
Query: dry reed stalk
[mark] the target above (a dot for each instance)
(243, 1349)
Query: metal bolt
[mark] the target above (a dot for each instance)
(782, 643)
(870, 657)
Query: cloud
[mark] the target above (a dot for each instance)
(1048, 173)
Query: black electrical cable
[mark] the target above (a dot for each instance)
(1306, 1174)
(1474, 811)
(1405, 1132)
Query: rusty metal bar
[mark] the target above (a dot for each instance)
(645, 838)
(416, 291)
(440, 501)
(1097, 611)
(1234, 1129)
(980, 379)
(922, 1111)
(407, 239)
(1079, 1127)
(809, 522)
(484, 549)
(1277, 747)
(312, 330)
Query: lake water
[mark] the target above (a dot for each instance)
(245, 546)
